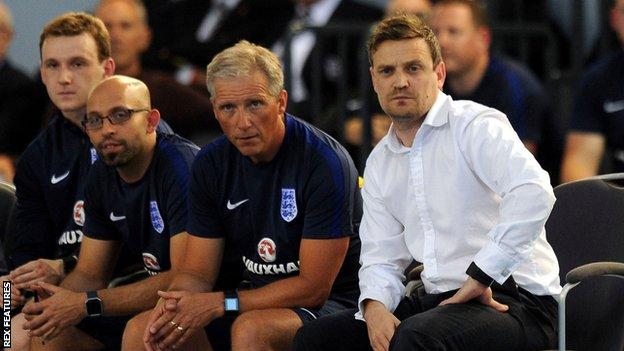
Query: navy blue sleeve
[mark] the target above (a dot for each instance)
(203, 210)
(535, 111)
(97, 222)
(329, 196)
(31, 237)
(175, 188)
(588, 115)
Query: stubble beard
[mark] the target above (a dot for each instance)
(118, 159)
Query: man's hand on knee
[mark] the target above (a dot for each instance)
(380, 323)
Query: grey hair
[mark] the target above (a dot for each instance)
(243, 59)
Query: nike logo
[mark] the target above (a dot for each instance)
(231, 206)
(116, 218)
(613, 106)
(56, 179)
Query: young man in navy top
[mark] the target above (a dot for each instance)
(135, 196)
(278, 195)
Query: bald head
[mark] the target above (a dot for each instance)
(122, 125)
(6, 29)
(127, 89)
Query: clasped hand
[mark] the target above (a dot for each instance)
(178, 315)
(56, 310)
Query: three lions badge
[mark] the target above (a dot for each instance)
(288, 209)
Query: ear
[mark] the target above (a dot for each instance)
(372, 74)
(214, 107)
(282, 101)
(613, 18)
(109, 67)
(485, 36)
(146, 39)
(440, 71)
(153, 118)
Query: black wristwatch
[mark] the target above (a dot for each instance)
(69, 262)
(93, 304)
(230, 303)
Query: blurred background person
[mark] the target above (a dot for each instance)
(187, 34)
(187, 111)
(420, 8)
(597, 123)
(306, 46)
(20, 104)
(473, 74)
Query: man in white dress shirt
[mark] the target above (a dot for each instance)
(452, 186)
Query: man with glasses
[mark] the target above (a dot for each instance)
(43, 245)
(135, 195)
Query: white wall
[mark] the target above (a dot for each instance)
(29, 17)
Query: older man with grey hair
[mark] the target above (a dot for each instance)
(275, 194)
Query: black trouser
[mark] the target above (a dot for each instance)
(529, 324)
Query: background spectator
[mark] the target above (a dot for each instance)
(187, 111)
(597, 123)
(20, 103)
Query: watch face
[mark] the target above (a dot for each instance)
(94, 307)
(231, 304)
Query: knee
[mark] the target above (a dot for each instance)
(306, 338)
(414, 337)
(246, 330)
(133, 333)
(20, 341)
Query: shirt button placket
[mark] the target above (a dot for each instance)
(416, 175)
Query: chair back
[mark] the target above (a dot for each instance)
(7, 203)
(587, 225)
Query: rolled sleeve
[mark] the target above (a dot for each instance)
(525, 191)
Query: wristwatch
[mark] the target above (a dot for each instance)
(230, 303)
(93, 304)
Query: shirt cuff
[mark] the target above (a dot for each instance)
(477, 274)
(495, 263)
(373, 295)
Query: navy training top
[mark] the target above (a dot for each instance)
(599, 106)
(309, 190)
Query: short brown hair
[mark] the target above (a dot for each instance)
(76, 23)
(402, 27)
(477, 9)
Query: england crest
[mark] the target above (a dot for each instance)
(288, 209)
(157, 221)
(94, 155)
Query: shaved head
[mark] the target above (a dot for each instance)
(134, 90)
(125, 144)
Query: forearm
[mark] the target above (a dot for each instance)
(573, 168)
(382, 283)
(190, 281)
(285, 293)
(79, 280)
(135, 297)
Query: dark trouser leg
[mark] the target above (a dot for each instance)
(528, 325)
(339, 331)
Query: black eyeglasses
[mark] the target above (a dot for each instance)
(94, 121)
